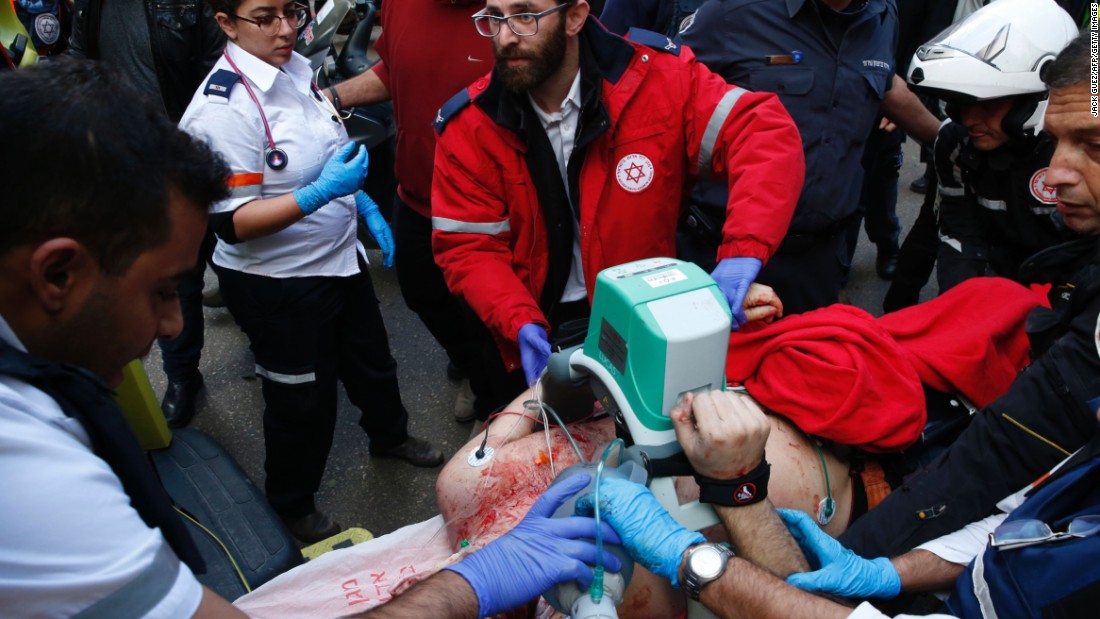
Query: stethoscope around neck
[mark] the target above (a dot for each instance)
(275, 157)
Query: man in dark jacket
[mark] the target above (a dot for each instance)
(1048, 412)
(166, 48)
(991, 162)
(831, 63)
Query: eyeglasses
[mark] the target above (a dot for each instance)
(1021, 533)
(270, 25)
(522, 24)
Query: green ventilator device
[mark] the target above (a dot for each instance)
(659, 328)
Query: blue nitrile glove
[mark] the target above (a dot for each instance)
(649, 533)
(534, 350)
(339, 177)
(537, 554)
(840, 571)
(733, 276)
(379, 229)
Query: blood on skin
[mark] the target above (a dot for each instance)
(504, 490)
(482, 503)
(638, 602)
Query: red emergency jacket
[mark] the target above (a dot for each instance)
(670, 120)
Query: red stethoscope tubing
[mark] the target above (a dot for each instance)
(276, 158)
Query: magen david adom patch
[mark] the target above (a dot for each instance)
(1040, 190)
(634, 172)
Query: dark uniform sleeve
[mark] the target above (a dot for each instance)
(212, 41)
(619, 16)
(1042, 419)
(709, 38)
(963, 252)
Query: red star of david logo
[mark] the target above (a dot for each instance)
(635, 173)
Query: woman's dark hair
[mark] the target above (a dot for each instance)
(229, 7)
(85, 156)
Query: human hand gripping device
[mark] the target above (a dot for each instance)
(600, 599)
(659, 328)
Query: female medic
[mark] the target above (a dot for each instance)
(291, 270)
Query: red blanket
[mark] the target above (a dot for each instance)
(841, 374)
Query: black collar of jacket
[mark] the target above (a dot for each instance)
(603, 56)
(558, 210)
(1001, 158)
(1073, 270)
(1060, 263)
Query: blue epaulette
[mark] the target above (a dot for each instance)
(654, 40)
(221, 83)
(450, 108)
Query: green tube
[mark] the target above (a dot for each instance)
(596, 591)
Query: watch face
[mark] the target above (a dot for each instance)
(707, 562)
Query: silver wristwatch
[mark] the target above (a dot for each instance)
(705, 563)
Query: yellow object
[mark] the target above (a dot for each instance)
(221, 544)
(136, 398)
(10, 27)
(343, 539)
(1040, 437)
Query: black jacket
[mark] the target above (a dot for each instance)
(186, 42)
(995, 210)
(1045, 415)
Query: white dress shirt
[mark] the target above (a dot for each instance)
(561, 130)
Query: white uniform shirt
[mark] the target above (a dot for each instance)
(302, 125)
(866, 611)
(68, 534)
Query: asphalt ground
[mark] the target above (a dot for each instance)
(383, 495)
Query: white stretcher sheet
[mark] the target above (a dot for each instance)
(352, 580)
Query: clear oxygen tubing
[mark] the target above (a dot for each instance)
(596, 591)
(544, 409)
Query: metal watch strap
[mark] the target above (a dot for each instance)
(694, 583)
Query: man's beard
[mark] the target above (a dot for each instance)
(541, 63)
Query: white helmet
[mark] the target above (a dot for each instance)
(998, 51)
